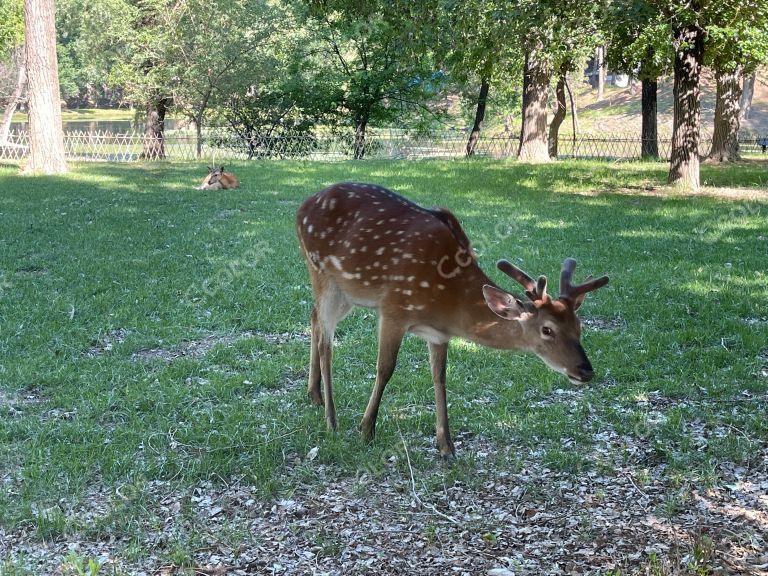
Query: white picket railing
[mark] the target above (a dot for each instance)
(225, 145)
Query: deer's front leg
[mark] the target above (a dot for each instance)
(390, 338)
(438, 359)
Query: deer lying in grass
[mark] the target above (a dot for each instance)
(218, 179)
(367, 246)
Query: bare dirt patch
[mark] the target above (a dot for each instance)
(227, 213)
(604, 324)
(13, 402)
(198, 348)
(31, 271)
(107, 342)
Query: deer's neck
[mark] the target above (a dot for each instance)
(477, 323)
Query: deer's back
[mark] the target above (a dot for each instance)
(384, 250)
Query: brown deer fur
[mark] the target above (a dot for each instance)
(367, 246)
(218, 179)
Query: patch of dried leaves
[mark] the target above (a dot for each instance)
(623, 514)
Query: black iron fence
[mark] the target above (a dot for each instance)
(223, 145)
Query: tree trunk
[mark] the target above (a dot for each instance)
(725, 138)
(10, 108)
(533, 133)
(574, 108)
(600, 69)
(557, 119)
(746, 95)
(595, 69)
(482, 99)
(200, 115)
(358, 151)
(46, 136)
(649, 136)
(684, 159)
(154, 129)
(199, 137)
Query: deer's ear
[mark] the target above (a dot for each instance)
(579, 300)
(501, 303)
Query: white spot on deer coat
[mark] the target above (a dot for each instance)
(335, 261)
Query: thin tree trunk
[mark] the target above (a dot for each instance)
(600, 69)
(10, 108)
(199, 137)
(574, 108)
(649, 136)
(509, 148)
(746, 95)
(559, 116)
(574, 114)
(358, 152)
(154, 129)
(684, 159)
(725, 138)
(198, 119)
(482, 99)
(533, 134)
(46, 136)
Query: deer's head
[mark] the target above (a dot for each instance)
(550, 328)
(214, 174)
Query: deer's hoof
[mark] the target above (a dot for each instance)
(330, 420)
(368, 431)
(447, 451)
(316, 398)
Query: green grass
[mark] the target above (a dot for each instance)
(101, 265)
(110, 114)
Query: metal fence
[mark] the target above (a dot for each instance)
(223, 145)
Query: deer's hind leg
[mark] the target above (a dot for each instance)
(330, 308)
(313, 386)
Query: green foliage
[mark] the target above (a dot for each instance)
(737, 37)
(75, 565)
(11, 25)
(366, 63)
(639, 38)
(736, 31)
(221, 49)
(474, 44)
(91, 44)
(70, 78)
(563, 32)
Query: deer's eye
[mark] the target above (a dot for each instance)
(547, 331)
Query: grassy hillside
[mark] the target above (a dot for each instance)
(620, 111)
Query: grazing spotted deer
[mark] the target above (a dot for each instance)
(218, 179)
(367, 246)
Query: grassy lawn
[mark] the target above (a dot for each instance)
(70, 114)
(153, 357)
